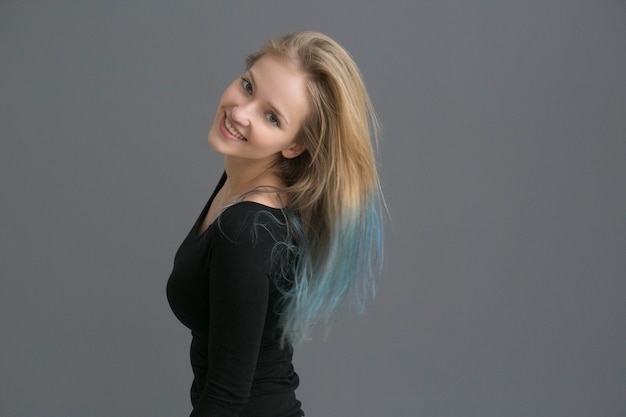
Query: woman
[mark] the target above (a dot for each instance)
(292, 228)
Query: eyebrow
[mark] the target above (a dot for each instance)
(271, 106)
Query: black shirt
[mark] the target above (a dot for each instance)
(223, 288)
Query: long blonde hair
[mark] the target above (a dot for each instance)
(333, 185)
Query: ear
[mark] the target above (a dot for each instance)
(293, 150)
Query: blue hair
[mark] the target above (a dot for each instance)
(314, 287)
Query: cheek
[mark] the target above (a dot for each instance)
(228, 95)
(225, 99)
(266, 137)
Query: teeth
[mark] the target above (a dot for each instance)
(232, 130)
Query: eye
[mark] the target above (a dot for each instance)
(271, 117)
(246, 85)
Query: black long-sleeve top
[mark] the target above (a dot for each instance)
(223, 288)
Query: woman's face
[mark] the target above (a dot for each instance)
(260, 113)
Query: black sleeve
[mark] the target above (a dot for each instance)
(239, 290)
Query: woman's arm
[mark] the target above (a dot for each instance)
(239, 290)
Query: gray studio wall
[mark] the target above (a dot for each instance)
(503, 166)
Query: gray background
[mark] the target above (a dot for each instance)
(503, 165)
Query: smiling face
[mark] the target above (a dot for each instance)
(260, 114)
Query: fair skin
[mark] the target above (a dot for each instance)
(257, 121)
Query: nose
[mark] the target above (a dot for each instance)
(240, 115)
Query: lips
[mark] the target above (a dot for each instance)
(232, 130)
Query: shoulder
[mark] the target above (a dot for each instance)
(250, 221)
(265, 196)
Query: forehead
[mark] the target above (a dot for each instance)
(282, 85)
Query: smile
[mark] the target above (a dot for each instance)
(230, 129)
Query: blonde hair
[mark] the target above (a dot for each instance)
(333, 185)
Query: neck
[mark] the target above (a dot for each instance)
(243, 176)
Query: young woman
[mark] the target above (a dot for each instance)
(292, 228)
